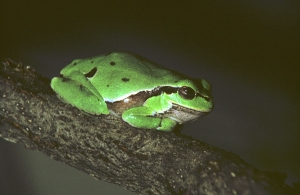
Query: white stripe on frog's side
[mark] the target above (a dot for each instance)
(181, 114)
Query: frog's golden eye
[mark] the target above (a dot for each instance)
(186, 93)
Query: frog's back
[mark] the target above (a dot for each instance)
(132, 65)
(121, 74)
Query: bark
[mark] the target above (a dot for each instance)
(142, 161)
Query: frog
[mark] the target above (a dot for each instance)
(128, 86)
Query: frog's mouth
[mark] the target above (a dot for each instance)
(183, 115)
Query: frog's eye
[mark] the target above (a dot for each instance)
(186, 93)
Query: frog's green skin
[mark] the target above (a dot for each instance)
(144, 94)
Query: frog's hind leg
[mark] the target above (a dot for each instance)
(78, 96)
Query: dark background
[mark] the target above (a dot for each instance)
(249, 51)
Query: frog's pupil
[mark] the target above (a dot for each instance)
(91, 73)
(186, 93)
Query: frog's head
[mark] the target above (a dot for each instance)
(190, 99)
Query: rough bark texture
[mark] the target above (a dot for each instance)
(142, 161)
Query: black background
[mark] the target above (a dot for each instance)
(248, 50)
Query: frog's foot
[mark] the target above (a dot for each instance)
(167, 124)
(143, 117)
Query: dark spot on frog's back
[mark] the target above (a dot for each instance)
(112, 63)
(91, 73)
(125, 79)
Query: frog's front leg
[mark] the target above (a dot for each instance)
(77, 90)
(143, 117)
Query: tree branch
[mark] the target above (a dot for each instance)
(142, 161)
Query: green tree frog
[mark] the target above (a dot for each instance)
(139, 91)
